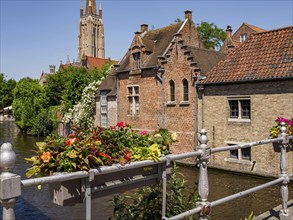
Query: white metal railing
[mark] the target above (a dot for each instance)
(11, 184)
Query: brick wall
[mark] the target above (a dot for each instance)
(268, 100)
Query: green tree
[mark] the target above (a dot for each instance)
(66, 86)
(29, 104)
(6, 87)
(211, 36)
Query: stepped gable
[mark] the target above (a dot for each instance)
(156, 41)
(205, 58)
(266, 55)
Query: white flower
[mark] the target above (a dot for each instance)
(174, 136)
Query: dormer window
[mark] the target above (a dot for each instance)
(136, 58)
(243, 37)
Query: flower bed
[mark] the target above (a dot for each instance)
(275, 131)
(83, 150)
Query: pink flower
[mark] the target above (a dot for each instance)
(143, 132)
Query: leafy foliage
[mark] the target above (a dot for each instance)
(82, 114)
(66, 86)
(6, 88)
(29, 107)
(211, 36)
(83, 150)
(250, 217)
(146, 203)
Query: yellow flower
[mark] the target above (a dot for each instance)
(157, 135)
(46, 157)
(174, 136)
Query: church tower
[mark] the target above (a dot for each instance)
(91, 31)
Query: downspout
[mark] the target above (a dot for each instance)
(195, 139)
(161, 78)
(201, 88)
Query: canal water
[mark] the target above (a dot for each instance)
(36, 204)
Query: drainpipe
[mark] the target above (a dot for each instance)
(195, 140)
(161, 78)
(195, 96)
(201, 88)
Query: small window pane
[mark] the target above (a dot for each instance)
(246, 153)
(233, 108)
(234, 154)
(185, 90)
(172, 90)
(136, 90)
(136, 105)
(130, 90)
(104, 120)
(245, 108)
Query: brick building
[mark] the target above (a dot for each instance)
(154, 81)
(242, 34)
(244, 94)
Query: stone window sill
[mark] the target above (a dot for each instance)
(184, 103)
(238, 161)
(239, 120)
(171, 103)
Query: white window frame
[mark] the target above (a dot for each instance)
(133, 99)
(103, 110)
(240, 117)
(243, 37)
(240, 158)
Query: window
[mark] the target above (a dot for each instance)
(185, 90)
(239, 109)
(172, 91)
(243, 37)
(133, 99)
(136, 58)
(104, 110)
(240, 154)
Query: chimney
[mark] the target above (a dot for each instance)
(52, 68)
(137, 33)
(143, 28)
(228, 32)
(188, 14)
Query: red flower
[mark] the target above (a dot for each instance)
(101, 154)
(128, 156)
(120, 124)
(67, 142)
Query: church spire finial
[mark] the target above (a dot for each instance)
(100, 10)
(81, 9)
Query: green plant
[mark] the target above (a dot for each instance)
(85, 149)
(146, 203)
(250, 217)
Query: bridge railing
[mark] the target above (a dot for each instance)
(11, 184)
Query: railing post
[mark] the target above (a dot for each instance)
(284, 212)
(203, 183)
(10, 183)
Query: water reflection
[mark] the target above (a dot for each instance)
(35, 204)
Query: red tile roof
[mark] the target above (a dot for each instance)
(94, 62)
(266, 55)
(256, 29)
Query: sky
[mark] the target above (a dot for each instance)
(37, 33)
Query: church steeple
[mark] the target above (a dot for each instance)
(91, 31)
(91, 8)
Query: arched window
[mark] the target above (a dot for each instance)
(185, 90)
(172, 91)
